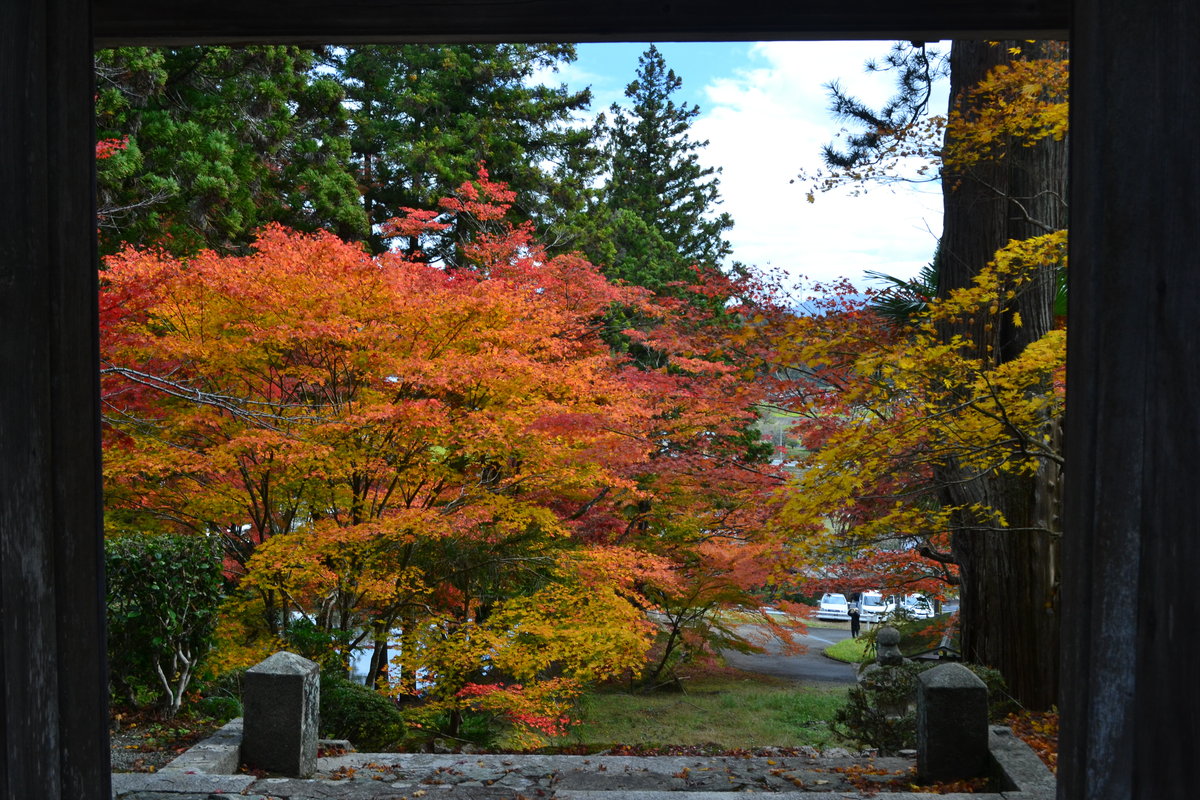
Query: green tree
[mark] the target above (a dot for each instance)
(163, 594)
(660, 200)
(425, 116)
(219, 141)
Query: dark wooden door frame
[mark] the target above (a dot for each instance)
(319, 21)
(1133, 432)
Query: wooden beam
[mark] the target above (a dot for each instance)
(53, 685)
(167, 22)
(1130, 648)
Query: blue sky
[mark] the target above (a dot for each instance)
(764, 110)
(614, 66)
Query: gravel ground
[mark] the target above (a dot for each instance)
(150, 745)
(131, 754)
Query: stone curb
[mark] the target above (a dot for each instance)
(179, 782)
(219, 754)
(1020, 773)
(568, 794)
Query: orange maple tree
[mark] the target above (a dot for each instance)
(450, 457)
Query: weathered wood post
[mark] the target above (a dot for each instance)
(952, 724)
(1130, 550)
(281, 697)
(53, 685)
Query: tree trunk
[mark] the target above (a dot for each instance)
(1009, 614)
(406, 681)
(377, 673)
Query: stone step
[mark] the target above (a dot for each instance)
(569, 794)
(680, 776)
(573, 794)
(833, 775)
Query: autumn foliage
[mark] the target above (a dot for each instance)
(880, 406)
(453, 458)
(1039, 730)
(931, 426)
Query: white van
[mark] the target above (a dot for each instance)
(871, 606)
(917, 606)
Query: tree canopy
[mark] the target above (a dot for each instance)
(425, 117)
(207, 144)
(455, 454)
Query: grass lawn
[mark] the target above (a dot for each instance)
(745, 618)
(852, 651)
(729, 709)
(915, 636)
(827, 624)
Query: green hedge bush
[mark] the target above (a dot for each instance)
(163, 595)
(352, 711)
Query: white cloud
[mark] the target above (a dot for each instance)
(765, 124)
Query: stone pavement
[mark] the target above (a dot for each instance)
(208, 772)
(373, 776)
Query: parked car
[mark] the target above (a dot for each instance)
(871, 606)
(917, 606)
(909, 606)
(833, 606)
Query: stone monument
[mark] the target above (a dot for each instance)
(952, 724)
(281, 698)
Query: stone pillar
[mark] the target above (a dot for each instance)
(952, 729)
(281, 697)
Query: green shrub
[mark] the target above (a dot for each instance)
(1000, 702)
(877, 711)
(227, 684)
(163, 595)
(352, 711)
(327, 648)
(483, 730)
(880, 711)
(220, 707)
(220, 695)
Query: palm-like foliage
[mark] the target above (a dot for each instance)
(902, 300)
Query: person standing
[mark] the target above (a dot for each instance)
(854, 626)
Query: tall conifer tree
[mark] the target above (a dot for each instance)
(425, 117)
(660, 199)
(214, 142)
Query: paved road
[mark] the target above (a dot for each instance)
(810, 665)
